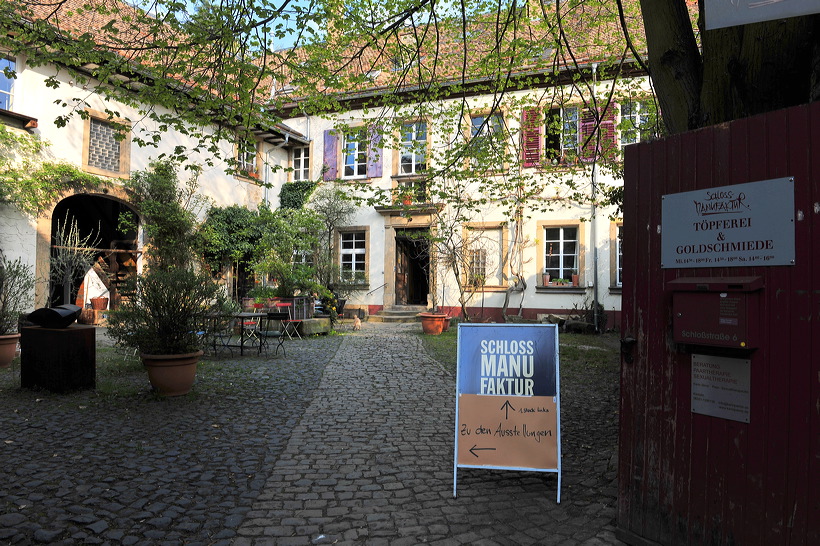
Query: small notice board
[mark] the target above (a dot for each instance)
(508, 399)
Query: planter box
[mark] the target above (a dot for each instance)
(58, 359)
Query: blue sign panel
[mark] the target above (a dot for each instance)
(508, 399)
(510, 360)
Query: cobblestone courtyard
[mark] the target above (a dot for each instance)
(348, 439)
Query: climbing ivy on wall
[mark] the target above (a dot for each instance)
(294, 195)
(27, 182)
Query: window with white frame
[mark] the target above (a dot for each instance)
(7, 77)
(637, 121)
(300, 162)
(303, 258)
(561, 252)
(354, 154)
(246, 156)
(562, 133)
(413, 148)
(353, 255)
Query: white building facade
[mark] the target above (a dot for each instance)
(555, 251)
(88, 141)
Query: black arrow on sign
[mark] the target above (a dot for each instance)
(507, 406)
(474, 449)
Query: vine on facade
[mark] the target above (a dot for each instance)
(28, 182)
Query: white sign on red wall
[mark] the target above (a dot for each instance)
(729, 13)
(741, 225)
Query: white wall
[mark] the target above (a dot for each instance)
(33, 98)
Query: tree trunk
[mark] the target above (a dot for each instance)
(741, 71)
(757, 68)
(674, 62)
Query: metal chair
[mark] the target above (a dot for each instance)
(291, 325)
(222, 334)
(251, 326)
(273, 330)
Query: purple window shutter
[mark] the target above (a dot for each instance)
(330, 155)
(531, 137)
(374, 154)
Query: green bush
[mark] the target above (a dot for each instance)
(16, 287)
(168, 311)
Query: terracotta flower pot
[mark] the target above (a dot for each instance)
(8, 349)
(433, 323)
(171, 375)
(99, 304)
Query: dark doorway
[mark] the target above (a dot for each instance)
(412, 266)
(116, 252)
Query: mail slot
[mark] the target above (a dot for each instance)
(716, 311)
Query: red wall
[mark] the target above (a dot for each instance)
(687, 478)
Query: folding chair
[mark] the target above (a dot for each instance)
(250, 328)
(273, 330)
(222, 334)
(291, 325)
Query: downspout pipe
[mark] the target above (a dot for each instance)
(593, 221)
(266, 197)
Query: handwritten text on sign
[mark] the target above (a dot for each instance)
(729, 226)
(507, 431)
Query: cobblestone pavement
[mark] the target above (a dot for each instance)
(348, 440)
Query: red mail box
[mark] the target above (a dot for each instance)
(716, 311)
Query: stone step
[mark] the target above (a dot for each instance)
(393, 319)
(403, 313)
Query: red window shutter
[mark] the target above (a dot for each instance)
(330, 155)
(606, 130)
(374, 154)
(608, 143)
(588, 137)
(531, 137)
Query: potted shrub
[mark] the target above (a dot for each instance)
(168, 315)
(16, 286)
(170, 308)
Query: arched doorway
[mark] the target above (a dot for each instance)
(115, 252)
